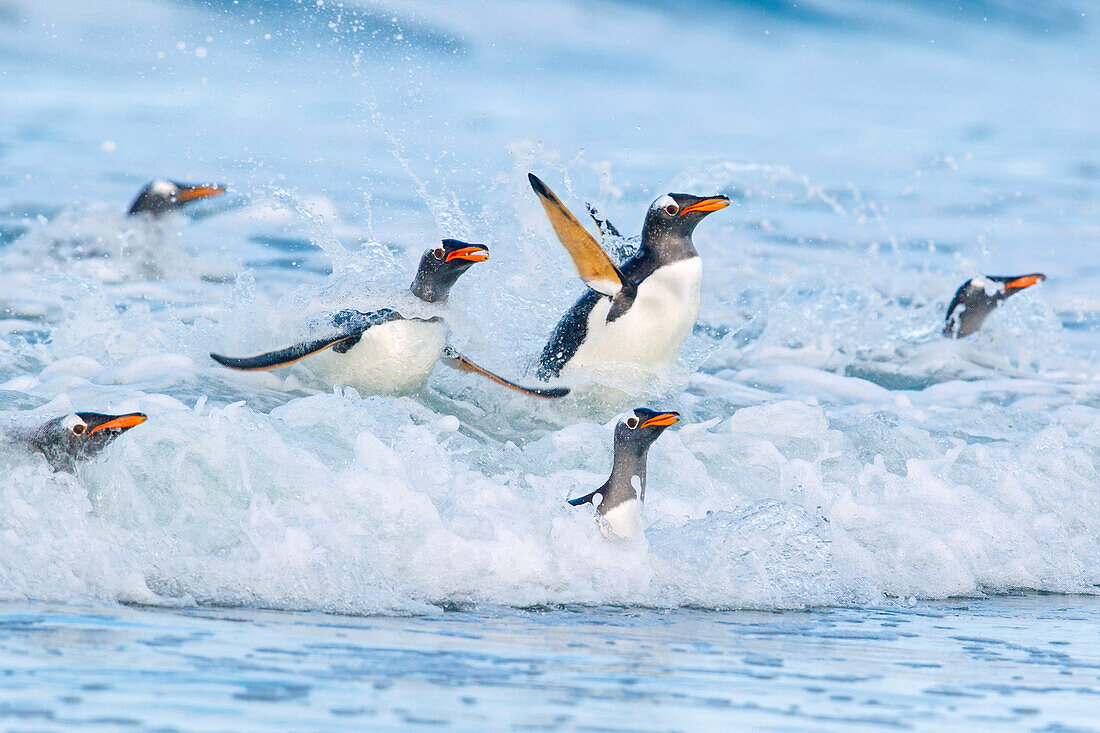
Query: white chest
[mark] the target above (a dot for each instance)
(623, 522)
(392, 358)
(652, 331)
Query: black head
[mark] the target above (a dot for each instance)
(672, 218)
(160, 197)
(442, 266)
(637, 431)
(977, 298)
(80, 435)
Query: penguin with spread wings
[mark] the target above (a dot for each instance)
(384, 351)
(638, 313)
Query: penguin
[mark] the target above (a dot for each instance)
(977, 298)
(621, 496)
(161, 197)
(639, 313)
(69, 439)
(384, 351)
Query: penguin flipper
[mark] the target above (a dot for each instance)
(593, 264)
(586, 499)
(282, 357)
(350, 326)
(456, 360)
(567, 337)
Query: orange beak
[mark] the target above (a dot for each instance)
(200, 192)
(1024, 282)
(665, 418)
(713, 204)
(473, 254)
(122, 422)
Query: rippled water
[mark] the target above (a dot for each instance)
(1017, 662)
(835, 451)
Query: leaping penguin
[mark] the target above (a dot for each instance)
(161, 197)
(621, 496)
(385, 352)
(639, 313)
(79, 436)
(977, 298)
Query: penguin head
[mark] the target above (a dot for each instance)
(441, 266)
(977, 298)
(160, 196)
(679, 213)
(640, 427)
(80, 435)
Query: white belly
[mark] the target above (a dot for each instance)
(652, 331)
(392, 358)
(624, 522)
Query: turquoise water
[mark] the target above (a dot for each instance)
(835, 453)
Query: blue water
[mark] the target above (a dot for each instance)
(1016, 663)
(835, 453)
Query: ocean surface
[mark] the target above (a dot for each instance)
(270, 552)
(1030, 663)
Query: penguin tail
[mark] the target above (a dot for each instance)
(282, 357)
(586, 499)
(457, 361)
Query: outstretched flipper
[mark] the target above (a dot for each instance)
(350, 325)
(456, 360)
(607, 229)
(593, 264)
(587, 498)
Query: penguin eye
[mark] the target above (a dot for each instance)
(632, 423)
(438, 253)
(667, 205)
(79, 428)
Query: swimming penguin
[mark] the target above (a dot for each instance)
(622, 494)
(161, 197)
(977, 298)
(639, 313)
(78, 436)
(385, 352)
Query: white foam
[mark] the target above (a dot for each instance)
(834, 448)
